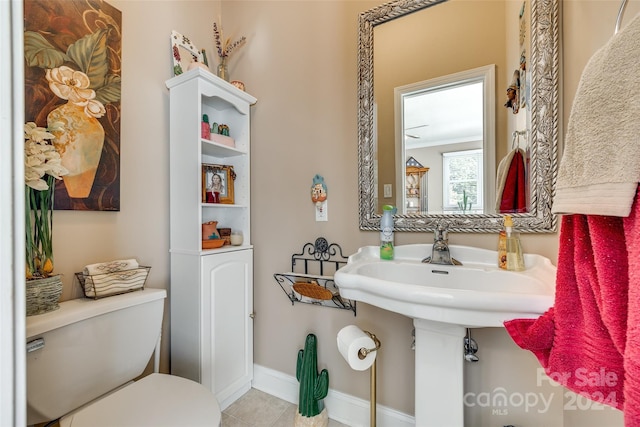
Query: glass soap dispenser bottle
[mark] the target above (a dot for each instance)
(386, 232)
(502, 246)
(515, 257)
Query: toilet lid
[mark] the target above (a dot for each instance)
(155, 400)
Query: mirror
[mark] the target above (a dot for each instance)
(540, 120)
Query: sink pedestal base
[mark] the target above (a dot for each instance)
(439, 374)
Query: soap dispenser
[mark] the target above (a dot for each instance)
(515, 258)
(386, 232)
(502, 246)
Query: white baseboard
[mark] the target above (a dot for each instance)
(225, 399)
(342, 407)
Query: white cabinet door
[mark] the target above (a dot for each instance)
(227, 324)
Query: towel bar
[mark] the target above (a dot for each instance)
(620, 15)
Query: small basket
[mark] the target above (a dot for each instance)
(114, 283)
(42, 295)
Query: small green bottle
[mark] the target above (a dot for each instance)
(386, 232)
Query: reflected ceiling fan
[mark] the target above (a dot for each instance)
(408, 135)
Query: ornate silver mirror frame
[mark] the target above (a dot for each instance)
(544, 132)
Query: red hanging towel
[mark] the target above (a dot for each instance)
(512, 184)
(590, 340)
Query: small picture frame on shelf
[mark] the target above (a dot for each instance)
(217, 183)
(184, 53)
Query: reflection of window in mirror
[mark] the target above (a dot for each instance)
(462, 181)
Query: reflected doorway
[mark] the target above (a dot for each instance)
(442, 128)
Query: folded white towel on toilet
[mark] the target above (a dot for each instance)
(113, 277)
(600, 168)
(110, 266)
(114, 283)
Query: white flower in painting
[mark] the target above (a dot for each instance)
(73, 85)
(40, 157)
(94, 108)
(70, 84)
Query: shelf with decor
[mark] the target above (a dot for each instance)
(223, 206)
(310, 280)
(210, 286)
(212, 148)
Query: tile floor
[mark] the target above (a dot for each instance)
(254, 409)
(259, 409)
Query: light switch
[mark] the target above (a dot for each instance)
(322, 212)
(388, 192)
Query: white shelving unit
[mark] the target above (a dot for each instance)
(211, 292)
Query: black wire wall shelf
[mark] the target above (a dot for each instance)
(310, 280)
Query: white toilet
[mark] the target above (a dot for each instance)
(82, 360)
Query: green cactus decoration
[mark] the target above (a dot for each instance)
(313, 386)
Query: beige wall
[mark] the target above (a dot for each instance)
(141, 228)
(300, 62)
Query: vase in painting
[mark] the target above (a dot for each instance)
(80, 145)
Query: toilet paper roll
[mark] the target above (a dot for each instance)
(350, 340)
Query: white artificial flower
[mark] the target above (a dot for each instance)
(56, 126)
(41, 158)
(38, 134)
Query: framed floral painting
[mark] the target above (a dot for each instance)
(184, 52)
(72, 84)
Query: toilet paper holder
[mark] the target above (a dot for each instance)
(364, 352)
(352, 338)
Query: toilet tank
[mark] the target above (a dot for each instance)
(87, 348)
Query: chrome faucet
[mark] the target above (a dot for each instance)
(440, 251)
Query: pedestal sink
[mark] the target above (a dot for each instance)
(444, 300)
